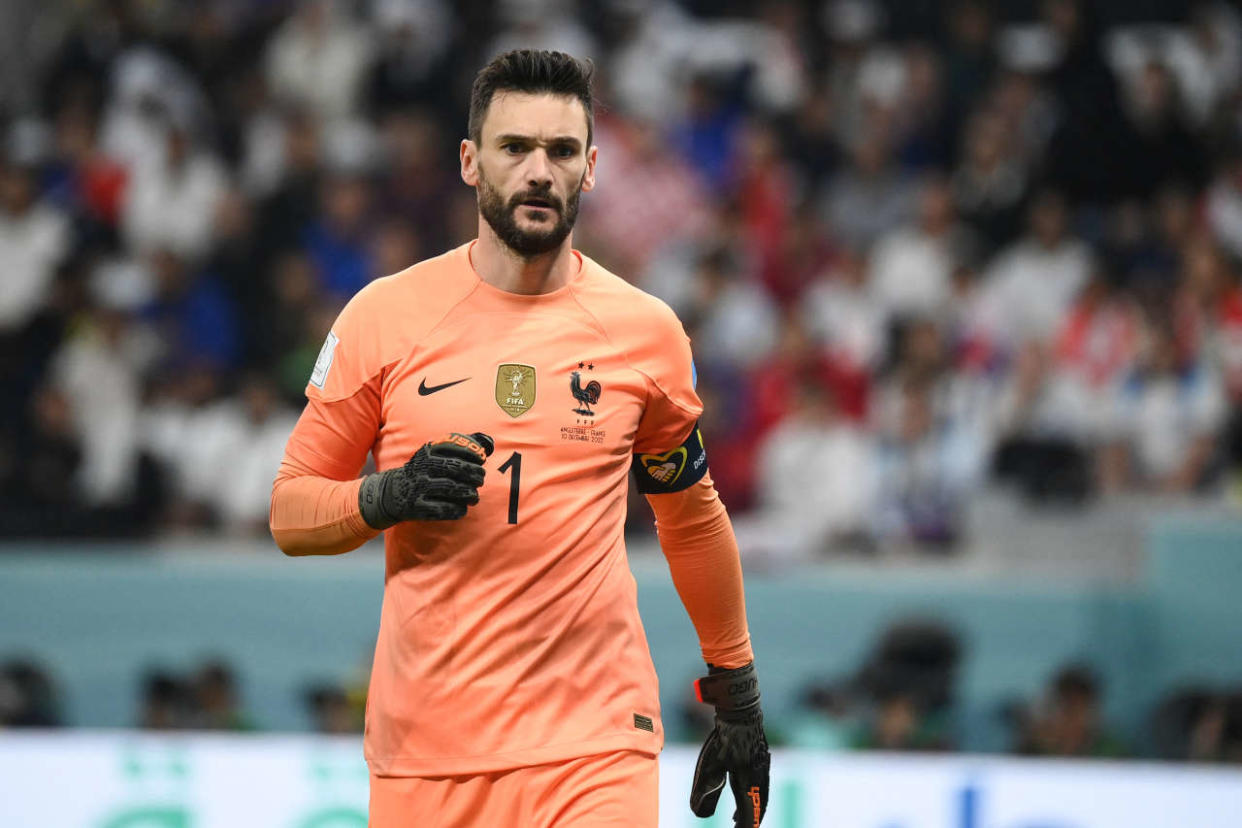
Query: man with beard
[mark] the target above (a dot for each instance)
(512, 684)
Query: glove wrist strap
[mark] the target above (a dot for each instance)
(371, 501)
(730, 691)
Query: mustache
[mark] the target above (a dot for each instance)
(544, 196)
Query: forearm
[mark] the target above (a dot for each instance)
(315, 508)
(314, 515)
(698, 542)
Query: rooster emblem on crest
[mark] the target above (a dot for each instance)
(585, 395)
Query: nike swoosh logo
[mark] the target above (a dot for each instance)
(424, 389)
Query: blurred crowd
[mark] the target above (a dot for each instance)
(902, 697)
(920, 248)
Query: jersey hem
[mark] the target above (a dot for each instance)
(488, 763)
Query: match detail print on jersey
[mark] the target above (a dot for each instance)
(515, 388)
(673, 470)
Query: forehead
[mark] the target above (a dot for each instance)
(539, 115)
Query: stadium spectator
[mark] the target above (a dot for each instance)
(319, 59)
(1086, 152)
(1166, 419)
(763, 186)
(870, 196)
(735, 318)
(96, 373)
(81, 179)
(1209, 322)
(926, 465)
(810, 140)
(1223, 203)
(911, 266)
(337, 242)
(1030, 285)
(171, 198)
(28, 695)
(250, 443)
(417, 185)
(843, 315)
(909, 682)
(990, 183)
(1199, 723)
(215, 698)
(1068, 719)
(1040, 428)
(970, 59)
(826, 718)
(895, 722)
(814, 492)
(648, 196)
(329, 711)
(34, 241)
(1164, 148)
(165, 703)
(412, 62)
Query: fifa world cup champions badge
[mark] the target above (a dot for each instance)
(515, 388)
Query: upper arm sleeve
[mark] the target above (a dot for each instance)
(315, 497)
(672, 407)
(352, 353)
(668, 449)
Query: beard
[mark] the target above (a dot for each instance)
(501, 216)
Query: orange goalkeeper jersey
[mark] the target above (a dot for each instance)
(510, 637)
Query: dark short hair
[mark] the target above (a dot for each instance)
(532, 71)
(1076, 680)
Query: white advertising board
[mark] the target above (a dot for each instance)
(78, 779)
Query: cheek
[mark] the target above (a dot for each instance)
(574, 179)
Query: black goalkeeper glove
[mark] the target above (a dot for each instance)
(737, 747)
(437, 483)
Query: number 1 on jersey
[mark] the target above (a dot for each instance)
(515, 482)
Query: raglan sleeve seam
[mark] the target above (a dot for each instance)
(649, 380)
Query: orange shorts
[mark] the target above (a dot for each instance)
(609, 790)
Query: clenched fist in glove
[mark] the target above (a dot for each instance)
(437, 483)
(737, 748)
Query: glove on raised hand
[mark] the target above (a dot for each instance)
(437, 483)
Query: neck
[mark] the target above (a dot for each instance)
(501, 267)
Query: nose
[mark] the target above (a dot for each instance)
(538, 170)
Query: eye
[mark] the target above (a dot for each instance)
(563, 151)
(513, 148)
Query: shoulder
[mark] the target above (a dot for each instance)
(643, 327)
(406, 305)
(624, 311)
(386, 320)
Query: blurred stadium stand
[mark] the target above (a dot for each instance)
(962, 280)
(100, 619)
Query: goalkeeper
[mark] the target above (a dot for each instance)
(506, 390)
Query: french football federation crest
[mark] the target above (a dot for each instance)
(515, 388)
(586, 395)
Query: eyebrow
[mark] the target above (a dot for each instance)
(526, 139)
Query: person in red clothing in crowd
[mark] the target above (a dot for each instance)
(1099, 338)
(1209, 321)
